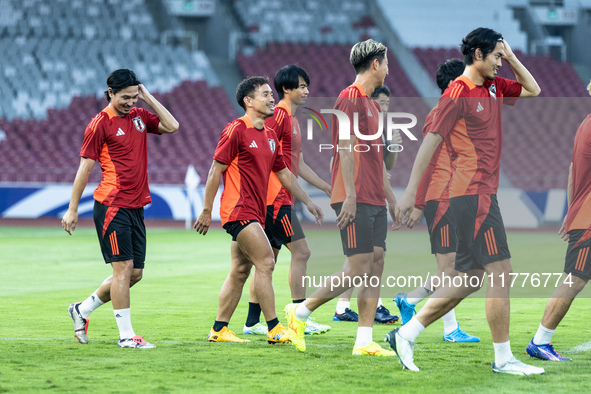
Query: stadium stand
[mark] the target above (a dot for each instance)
(54, 66)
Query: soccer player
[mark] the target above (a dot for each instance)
(359, 191)
(343, 310)
(576, 229)
(281, 224)
(247, 153)
(475, 98)
(116, 137)
(434, 188)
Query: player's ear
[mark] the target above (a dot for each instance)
(478, 54)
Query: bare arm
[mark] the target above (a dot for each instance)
(311, 177)
(390, 198)
(347, 161)
(168, 124)
(211, 188)
(70, 218)
(529, 86)
(428, 147)
(291, 184)
(569, 197)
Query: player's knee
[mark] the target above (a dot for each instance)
(135, 278)
(304, 254)
(266, 265)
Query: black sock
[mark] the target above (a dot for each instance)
(254, 314)
(272, 323)
(299, 301)
(218, 325)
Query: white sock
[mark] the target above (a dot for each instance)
(543, 335)
(364, 336)
(420, 293)
(449, 322)
(379, 302)
(123, 318)
(502, 353)
(342, 305)
(411, 330)
(302, 313)
(89, 305)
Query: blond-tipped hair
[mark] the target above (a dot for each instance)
(589, 88)
(363, 53)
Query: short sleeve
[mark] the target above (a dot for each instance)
(94, 138)
(511, 90)
(449, 111)
(229, 144)
(151, 121)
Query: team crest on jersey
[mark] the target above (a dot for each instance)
(139, 124)
(272, 144)
(493, 91)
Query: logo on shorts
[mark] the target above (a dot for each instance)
(272, 144)
(139, 124)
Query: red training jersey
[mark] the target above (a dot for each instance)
(470, 118)
(119, 143)
(251, 155)
(369, 164)
(579, 211)
(434, 185)
(287, 128)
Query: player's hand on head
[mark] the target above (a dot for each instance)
(508, 51)
(202, 223)
(348, 211)
(142, 92)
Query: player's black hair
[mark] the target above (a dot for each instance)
(247, 88)
(448, 71)
(363, 53)
(288, 77)
(483, 38)
(120, 79)
(382, 89)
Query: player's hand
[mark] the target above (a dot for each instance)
(392, 210)
(203, 222)
(413, 217)
(142, 92)
(69, 221)
(348, 212)
(316, 211)
(403, 207)
(562, 232)
(508, 52)
(396, 138)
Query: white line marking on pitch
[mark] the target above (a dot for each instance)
(583, 347)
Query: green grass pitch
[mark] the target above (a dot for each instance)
(43, 270)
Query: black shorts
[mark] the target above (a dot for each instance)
(369, 229)
(284, 228)
(441, 226)
(233, 228)
(578, 258)
(480, 231)
(121, 233)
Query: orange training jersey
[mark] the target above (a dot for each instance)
(579, 211)
(251, 155)
(287, 128)
(470, 117)
(369, 164)
(434, 185)
(120, 146)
